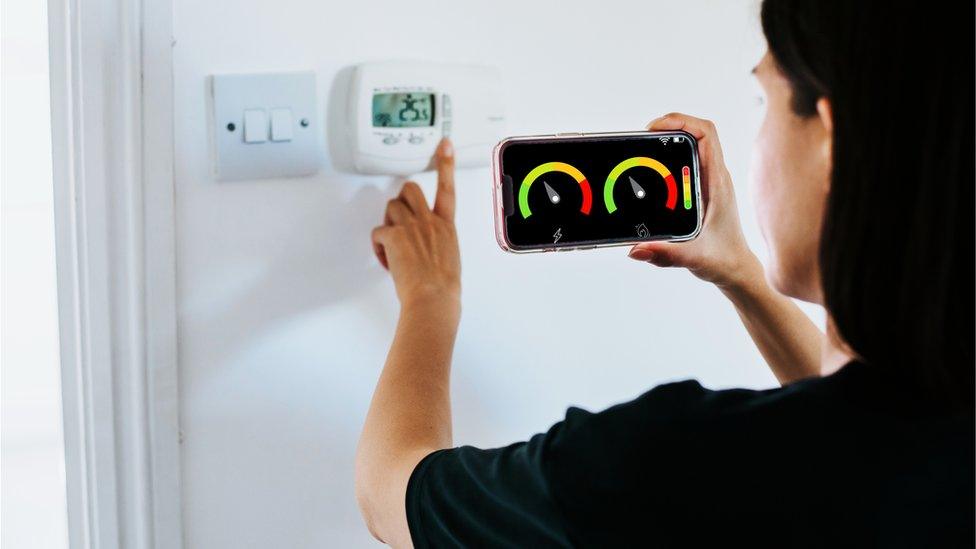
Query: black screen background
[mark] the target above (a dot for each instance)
(595, 158)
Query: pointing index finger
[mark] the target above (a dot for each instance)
(444, 201)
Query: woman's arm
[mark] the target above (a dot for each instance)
(410, 415)
(787, 339)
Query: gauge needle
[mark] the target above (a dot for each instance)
(553, 195)
(638, 190)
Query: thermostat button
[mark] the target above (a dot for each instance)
(416, 140)
(447, 105)
(390, 140)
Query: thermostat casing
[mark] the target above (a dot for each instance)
(467, 107)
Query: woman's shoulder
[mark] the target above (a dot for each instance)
(682, 402)
(677, 423)
(693, 457)
(851, 388)
(686, 417)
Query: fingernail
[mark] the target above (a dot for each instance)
(446, 147)
(641, 255)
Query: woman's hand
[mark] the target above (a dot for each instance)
(785, 336)
(418, 245)
(720, 254)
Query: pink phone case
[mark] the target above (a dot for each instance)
(498, 200)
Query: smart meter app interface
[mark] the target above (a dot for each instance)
(575, 191)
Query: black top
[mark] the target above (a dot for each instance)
(843, 460)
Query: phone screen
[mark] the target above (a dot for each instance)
(576, 191)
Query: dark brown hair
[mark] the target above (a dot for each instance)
(897, 249)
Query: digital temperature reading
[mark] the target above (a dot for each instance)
(650, 190)
(403, 110)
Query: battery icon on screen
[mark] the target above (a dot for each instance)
(686, 185)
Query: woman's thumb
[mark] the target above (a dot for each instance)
(658, 253)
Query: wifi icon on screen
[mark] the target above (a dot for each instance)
(664, 140)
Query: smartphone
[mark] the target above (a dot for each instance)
(580, 191)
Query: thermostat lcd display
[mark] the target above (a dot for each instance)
(403, 110)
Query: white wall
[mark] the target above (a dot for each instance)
(285, 316)
(34, 510)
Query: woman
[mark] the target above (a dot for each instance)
(864, 190)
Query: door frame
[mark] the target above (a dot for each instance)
(111, 64)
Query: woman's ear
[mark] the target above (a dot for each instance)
(826, 115)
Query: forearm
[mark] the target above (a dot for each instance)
(789, 341)
(410, 414)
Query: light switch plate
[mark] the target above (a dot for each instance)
(235, 159)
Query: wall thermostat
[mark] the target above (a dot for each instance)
(399, 110)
